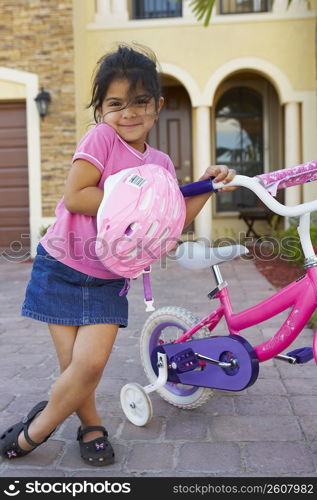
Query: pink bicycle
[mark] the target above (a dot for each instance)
(183, 361)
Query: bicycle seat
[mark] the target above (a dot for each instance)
(193, 255)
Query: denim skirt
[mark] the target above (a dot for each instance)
(61, 295)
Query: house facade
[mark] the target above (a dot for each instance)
(240, 92)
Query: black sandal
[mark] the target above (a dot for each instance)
(9, 446)
(99, 451)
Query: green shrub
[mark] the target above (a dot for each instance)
(294, 221)
(43, 230)
(289, 243)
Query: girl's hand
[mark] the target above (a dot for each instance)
(221, 173)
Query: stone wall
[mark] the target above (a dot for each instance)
(37, 36)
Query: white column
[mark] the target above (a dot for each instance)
(292, 148)
(279, 6)
(103, 11)
(295, 7)
(111, 10)
(309, 134)
(103, 7)
(119, 9)
(188, 12)
(203, 221)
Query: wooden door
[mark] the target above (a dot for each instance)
(173, 133)
(14, 187)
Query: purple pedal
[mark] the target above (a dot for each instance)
(184, 361)
(302, 355)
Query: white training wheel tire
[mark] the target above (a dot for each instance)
(136, 404)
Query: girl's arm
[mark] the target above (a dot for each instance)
(82, 194)
(194, 204)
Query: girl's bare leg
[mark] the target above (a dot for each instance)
(64, 339)
(77, 383)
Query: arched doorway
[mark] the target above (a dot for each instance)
(248, 133)
(173, 131)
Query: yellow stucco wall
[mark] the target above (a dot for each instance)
(286, 43)
(289, 44)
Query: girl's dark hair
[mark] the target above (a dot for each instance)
(137, 65)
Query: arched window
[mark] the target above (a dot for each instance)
(239, 141)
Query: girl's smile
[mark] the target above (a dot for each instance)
(131, 117)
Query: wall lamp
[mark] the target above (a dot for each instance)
(42, 100)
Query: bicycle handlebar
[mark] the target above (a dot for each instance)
(254, 185)
(199, 187)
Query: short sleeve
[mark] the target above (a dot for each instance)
(96, 146)
(170, 167)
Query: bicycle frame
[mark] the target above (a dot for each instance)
(301, 294)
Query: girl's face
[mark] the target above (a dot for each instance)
(131, 117)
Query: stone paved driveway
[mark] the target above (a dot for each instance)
(268, 429)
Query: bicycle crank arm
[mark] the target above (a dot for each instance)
(222, 364)
(298, 356)
(288, 359)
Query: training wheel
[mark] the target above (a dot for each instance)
(136, 404)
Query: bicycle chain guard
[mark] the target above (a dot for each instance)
(184, 368)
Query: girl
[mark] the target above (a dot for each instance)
(69, 288)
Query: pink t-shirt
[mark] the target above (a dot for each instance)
(71, 239)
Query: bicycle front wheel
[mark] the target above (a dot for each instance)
(166, 325)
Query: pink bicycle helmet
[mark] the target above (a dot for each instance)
(139, 220)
